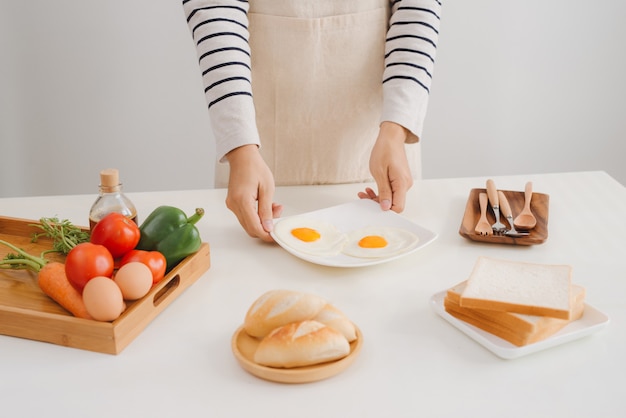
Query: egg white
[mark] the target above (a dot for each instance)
(398, 241)
(330, 243)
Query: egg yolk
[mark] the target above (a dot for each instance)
(373, 241)
(306, 234)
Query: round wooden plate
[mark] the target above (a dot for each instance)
(244, 346)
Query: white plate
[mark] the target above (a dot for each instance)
(591, 321)
(358, 214)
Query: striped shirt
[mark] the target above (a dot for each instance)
(220, 31)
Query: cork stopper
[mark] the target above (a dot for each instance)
(109, 177)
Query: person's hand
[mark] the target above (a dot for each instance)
(251, 192)
(390, 168)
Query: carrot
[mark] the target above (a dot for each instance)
(54, 283)
(50, 276)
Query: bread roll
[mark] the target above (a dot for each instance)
(280, 307)
(334, 318)
(301, 344)
(526, 288)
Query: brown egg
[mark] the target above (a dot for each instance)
(103, 299)
(134, 280)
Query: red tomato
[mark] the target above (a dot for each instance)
(86, 261)
(153, 259)
(116, 232)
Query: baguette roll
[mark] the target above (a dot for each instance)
(334, 318)
(300, 344)
(280, 307)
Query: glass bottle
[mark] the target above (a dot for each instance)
(111, 199)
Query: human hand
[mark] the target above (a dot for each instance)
(251, 192)
(390, 168)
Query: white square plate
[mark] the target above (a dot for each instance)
(592, 321)
(354, 215)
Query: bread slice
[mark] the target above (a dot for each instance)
(334, 318)
(518, 329)
(301, 344)
(280, 307)
(526, 288)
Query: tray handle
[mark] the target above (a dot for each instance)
(165, 291)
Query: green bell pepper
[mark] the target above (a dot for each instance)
(168, 230)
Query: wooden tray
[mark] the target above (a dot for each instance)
(26, 312)
(244, 346)
(538, 205)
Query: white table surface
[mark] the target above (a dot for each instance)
(413, 363)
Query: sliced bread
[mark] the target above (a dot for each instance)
(525, 288)
(518, 329)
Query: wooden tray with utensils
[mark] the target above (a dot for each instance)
(26, 312)
(538, 205)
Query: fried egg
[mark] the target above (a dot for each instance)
(379, 242)
(310, 236)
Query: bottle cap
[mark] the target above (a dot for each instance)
(109, 177)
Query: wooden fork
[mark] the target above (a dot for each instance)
(483, 227)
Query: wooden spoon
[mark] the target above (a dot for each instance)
(526, 220)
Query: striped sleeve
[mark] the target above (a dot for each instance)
(219, 29)
(409, 61)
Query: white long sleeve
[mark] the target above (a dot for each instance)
(410, 50)
(220, 31)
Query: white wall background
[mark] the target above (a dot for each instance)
(520, 87)
(89, 84)
(528, 86)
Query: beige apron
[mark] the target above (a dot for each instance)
(317, 68)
